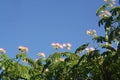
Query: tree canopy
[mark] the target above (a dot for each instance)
(85, 63)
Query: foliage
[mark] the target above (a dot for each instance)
(83, 64)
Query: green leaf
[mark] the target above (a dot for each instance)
(102, 8)
(70, 56)
(99, 39)
(21, 56)
(115, 11)
(93, 54)
(81, 48)
(118, 48)
(106, 20)
(108, 47)
(55, 56)
(30, 62)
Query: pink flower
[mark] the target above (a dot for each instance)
(92, 49)
(88, 32)
(61, 59)
(107, 13)
(64, 45)
(57, 45)
(92, 32)
(2, 50)
(68, 46)
(87, 49)
(104, 14)
(61, 46)
(41, 54)
(23, 49)
(46, 69)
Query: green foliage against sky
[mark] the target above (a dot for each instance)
(86, 63)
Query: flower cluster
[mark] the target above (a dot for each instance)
(105, 13)
(111, 2)
(91, 32)
(89, 49)
(23, 49)
(41, 54)
(47, 70)
(67, 46)
(61, 59)
(58, 45)
(2, 50)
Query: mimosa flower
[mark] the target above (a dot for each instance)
(104, 14)
(41, 54)
(94, 30)
(23, 49)
(61, 59)
(107, 13)
(91, 32)
(64, 45)
(61, 46)
(57, 45)
(46, 69)
(110, 1)
(87, 49)
(2, 50)
(88, 32)
(90, 49)
(68, 46)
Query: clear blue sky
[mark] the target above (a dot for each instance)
(38, 23)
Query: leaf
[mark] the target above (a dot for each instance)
(21, 56)
(105, 20)
(100, 39)
(30, 62)
(93, 54)
(82, 58)
(102, 8)
(108, 47)
(81, 48)
(118, 48)
(115, 11)
(55, 56)
(106, 53)
(70, 56)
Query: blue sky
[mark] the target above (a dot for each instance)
(38, 23)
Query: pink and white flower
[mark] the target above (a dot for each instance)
(58, 45)
(61, 59)
(90, 49)
(41, 54)
(23, 49)
(68, 46)
(2, 50)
